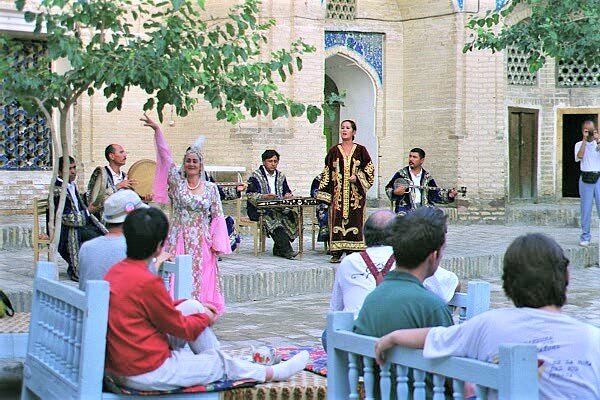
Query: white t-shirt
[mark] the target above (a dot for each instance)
(417, 182)
(591, 157)
(569, 349)
(353, 281)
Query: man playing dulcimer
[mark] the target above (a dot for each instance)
(413, 187)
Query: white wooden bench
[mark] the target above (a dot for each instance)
(67, 337)
(350, 356)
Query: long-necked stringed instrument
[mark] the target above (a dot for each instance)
(408, 184)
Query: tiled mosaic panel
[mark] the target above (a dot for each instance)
(499, 4)
(368, 45)
(341, 9)
(576, 73)
(24, 139)
(517, 69)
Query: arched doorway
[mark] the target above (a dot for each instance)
(348, 77)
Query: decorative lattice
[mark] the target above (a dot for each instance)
(24, 138)
(576, 73)
(341, 9)
(517, 69)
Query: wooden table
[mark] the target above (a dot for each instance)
(297, 203)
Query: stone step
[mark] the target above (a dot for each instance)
(472, 251)
(543, 214)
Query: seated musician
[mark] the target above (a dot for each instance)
(416, 191)
(78, 222)
(108, 179)
(278, 223)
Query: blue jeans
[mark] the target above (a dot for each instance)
(587, 192)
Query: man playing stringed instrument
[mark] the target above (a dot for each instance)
(413, 187)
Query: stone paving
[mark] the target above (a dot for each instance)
(300, 320)
(473, 251)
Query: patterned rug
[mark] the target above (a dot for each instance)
(302, 386)
(305, 385)
(19, 323)
(114, 387)
(318, 358)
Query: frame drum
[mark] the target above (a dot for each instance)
(97, 193)
(143, 172)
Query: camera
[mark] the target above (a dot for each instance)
(590, 132)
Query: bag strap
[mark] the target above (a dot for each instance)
(9, 308)
(378, 275)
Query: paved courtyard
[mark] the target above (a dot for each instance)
(282, 319)
(299, 320)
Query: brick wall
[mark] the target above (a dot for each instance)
(432, 96)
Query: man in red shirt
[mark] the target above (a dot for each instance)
(145, 325)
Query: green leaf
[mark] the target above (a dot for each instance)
(297, 109)
(111, 105)
(282, 74)
(149, 104)
(312, 113)
(200, 4)
(279, 110)
(230, 29)
(299, 63)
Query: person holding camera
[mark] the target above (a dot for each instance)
(587, 153)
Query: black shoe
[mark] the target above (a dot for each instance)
(289, 255)
(73, 275)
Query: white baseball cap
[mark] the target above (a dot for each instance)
(121, 203)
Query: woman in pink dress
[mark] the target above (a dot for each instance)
(198, 225)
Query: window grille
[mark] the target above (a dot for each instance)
(24, 138)
(576, 73)
(341, 9)
(517, 69)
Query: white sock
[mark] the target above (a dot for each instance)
(286, 369)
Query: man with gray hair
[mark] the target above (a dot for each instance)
(359, 273)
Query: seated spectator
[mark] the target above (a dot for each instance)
(98, 255)
(401, 301)
(354, 279)
(535, 278)
(147, 330)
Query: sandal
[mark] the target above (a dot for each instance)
(335, 259)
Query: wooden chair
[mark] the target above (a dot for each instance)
(258, 237)
(67, 337)
(39, 236)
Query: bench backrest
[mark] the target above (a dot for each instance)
(67, 338)
(350, 355)
(67, 333)
(475, 301)
(181, 270)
